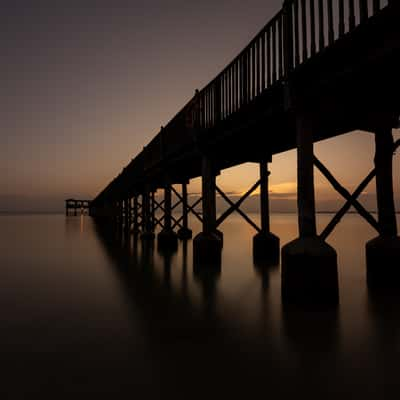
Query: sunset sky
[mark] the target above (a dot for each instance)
(85, 87)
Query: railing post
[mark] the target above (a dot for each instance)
(217, 100)
(352, 15)
(341, 18)
(363, 10)
(288, 36)
(244, 83)
(377, 6)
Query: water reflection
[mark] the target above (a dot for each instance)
(125, 316)
(216, 312)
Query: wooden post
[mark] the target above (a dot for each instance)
(167, 207)
(341, 18)
(167, 238)
(264, 197)
(288, 37)
(383, 252)
(185, 232)
(309, 265)
(209, 196)
(266, 245)
(207, 245)
(384, 182)
(152, 211)
(136, 227)
(305, 179)
(147, 228)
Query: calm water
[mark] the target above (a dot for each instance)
(87, 315)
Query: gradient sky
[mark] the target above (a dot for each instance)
(85, 85)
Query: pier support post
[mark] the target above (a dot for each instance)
(147, 232)
(127, 207)
(265, 244)
(309, 264)
(135, 215)
(167, 238)
(383, 252)
(152, 210)
(184, 233)
(207, 245)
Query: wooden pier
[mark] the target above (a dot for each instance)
(76, 207)
(317, 70)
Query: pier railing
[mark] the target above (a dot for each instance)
(300, 30)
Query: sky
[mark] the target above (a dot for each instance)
(85, 85)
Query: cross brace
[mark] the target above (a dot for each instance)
(158, 221)
(236, 206)
(193, 211)
(351, 200)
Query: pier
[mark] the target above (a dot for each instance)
(75, 207)
(318, 69)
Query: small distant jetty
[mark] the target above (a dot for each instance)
(74, 206)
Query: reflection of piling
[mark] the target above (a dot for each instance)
(184, 268)
(208, 279)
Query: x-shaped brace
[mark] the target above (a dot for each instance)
(236, 206)
(351, 199)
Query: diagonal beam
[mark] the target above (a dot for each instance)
(158, 222)
(176, 205)
(238, 210)
(177, 222)
(193, 211)
(346, 194)
(340, 214)
(236, 206)
(337, 218)
(177, 194)
(159, 205)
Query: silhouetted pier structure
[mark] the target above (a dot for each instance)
(318, 69)
(75, 207)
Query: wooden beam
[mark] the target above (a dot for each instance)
(193, 211)
(237, 205)
(239, 211)
(339, 215)
(346, 194)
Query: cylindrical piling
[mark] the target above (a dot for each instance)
(147, 231)
(265, 244)
(207, 245)
(309, 264)
(167, 238)
(184, 232)
(383, 252)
